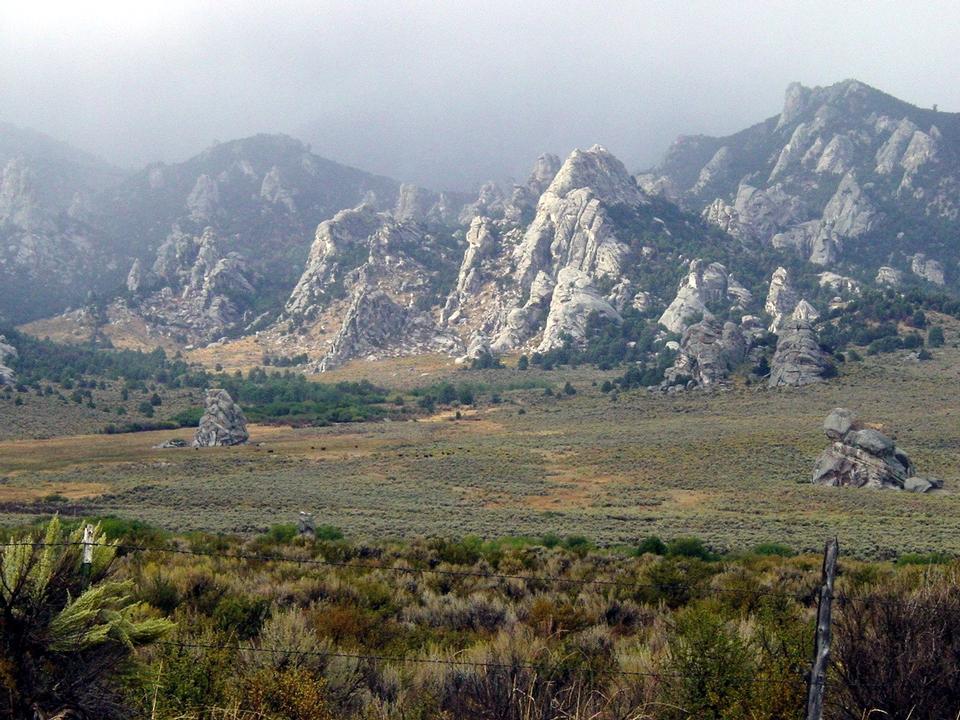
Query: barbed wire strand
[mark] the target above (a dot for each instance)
(434, 661)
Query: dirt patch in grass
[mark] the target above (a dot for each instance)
(70, 491)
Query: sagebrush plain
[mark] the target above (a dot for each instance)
(730, 466)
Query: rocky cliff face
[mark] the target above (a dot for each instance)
(573, 244)
(369, 290)
(845, 173)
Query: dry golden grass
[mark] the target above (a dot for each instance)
(73, 327)
(240, 354)
(70, 491)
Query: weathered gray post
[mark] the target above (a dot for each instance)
(821, 653)
(306, 525)
(87, 559)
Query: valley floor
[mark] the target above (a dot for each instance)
(730, 466)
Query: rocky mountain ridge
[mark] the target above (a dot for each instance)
(262, 197)
(786, 224)
(846, 177)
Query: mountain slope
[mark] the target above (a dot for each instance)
(243, 212)
(46, 234)
(72, 227)
(846, 176)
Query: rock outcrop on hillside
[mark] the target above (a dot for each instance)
(572, 227)
(417, 204)
(709, 351)
(839, 283)
(798, 359)
(362, 290)
(574, 299)
(375, 326)
(705, 284)
(927, 268)
(572, 230)
(222, 422)
(889, 276)
(195, 286)
(7, 353)
(861, 456)
(781, 299)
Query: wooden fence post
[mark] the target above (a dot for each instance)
(87, 560)
(821, 653)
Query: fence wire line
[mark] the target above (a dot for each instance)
(438, 661)
(547, 579)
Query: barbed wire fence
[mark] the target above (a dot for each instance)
(815, 679)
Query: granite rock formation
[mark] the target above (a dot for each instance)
(861, 456)
(709, 350)
(798, 359)
(7, 352)
(705, 284)
(222, 422)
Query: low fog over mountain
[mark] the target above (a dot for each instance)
(447, 95)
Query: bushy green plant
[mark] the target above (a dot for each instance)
(690, 547)
(774, 549)
(282, 532)
(652, 545)
(711, 668)
(935, 337)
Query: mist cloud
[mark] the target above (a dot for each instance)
(448, 94)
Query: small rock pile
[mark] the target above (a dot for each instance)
(223, 422)
(864, 457)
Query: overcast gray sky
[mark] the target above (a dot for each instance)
(447, 94)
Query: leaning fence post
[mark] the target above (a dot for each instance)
(87, 554)
(821, 653)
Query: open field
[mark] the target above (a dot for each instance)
(730, 466)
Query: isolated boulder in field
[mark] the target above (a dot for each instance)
(223, 422)
(865, 457)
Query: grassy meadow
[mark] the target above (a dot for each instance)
(730, 466)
